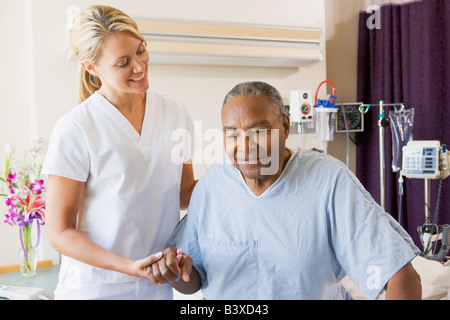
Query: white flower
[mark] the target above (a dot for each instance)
(10, 148)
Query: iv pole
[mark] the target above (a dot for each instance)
(383, 122)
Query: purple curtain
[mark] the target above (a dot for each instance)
(406, 60)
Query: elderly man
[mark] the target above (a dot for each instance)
(271, 223)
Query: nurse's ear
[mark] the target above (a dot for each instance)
(89, 67)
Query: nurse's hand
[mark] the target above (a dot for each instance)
(173, 266)
(139, 267)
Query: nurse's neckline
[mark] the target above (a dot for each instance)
(131, 114)
(116, 102)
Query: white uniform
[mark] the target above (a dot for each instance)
(131, 202)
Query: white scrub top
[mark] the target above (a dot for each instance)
(132, 183)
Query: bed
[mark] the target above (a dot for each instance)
(435, 278)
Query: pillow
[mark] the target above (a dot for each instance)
(435, 278)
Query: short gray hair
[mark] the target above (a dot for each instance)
(257, 88)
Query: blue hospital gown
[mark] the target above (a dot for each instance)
(297, 240)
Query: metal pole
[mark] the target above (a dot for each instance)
(382, 123)
(382, 155)
(427, 201)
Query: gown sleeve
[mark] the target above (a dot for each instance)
(369, 244)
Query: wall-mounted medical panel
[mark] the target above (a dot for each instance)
(175, 42)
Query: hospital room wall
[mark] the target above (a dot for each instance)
(40, 84)
(341, 25)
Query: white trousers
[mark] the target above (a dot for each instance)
(141, 289)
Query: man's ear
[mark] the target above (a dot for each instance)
(89, 67)
(286, 125)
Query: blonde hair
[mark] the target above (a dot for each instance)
(89, 29)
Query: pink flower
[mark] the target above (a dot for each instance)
(9, 202)
(11, 218)
(37, 186)
(11, 178)
(33, 205)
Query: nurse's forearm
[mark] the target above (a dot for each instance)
(76, 245)
(187, 185)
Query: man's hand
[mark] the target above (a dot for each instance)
(173, 266)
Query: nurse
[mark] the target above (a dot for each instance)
(115, 188)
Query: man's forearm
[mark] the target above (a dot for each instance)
(404, 285)
(190, 287)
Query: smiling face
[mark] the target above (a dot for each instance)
(254, 136)
(122, 66)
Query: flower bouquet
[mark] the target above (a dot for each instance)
(25, 202)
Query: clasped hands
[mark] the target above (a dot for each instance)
(171, 266)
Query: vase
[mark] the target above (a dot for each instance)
(27, 253)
